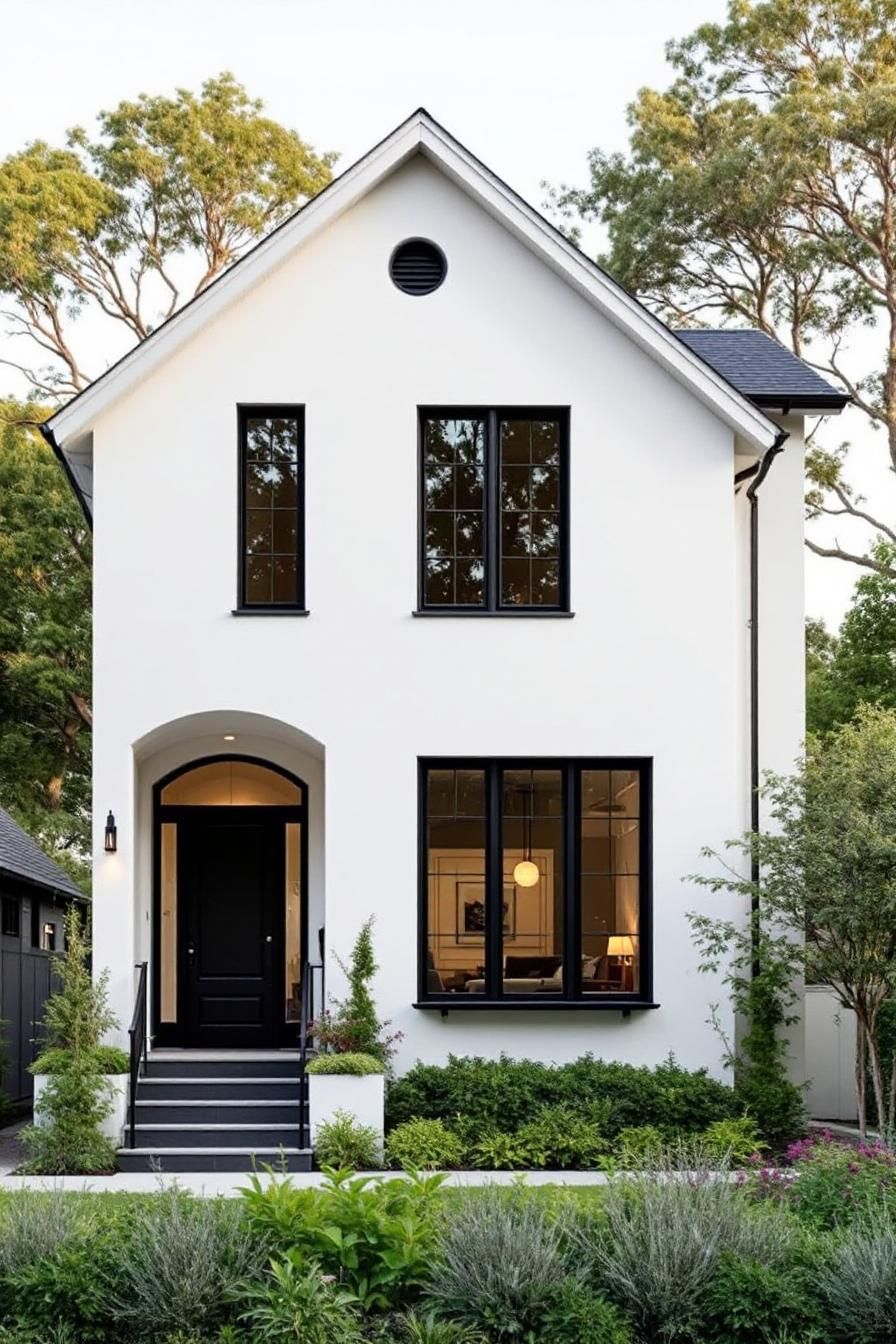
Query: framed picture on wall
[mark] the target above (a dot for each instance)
(471, 911)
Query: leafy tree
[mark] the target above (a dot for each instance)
(758, 189)
(827, 887)
(859, 665)
(114, 222)
(45, 671)
(353, 1025)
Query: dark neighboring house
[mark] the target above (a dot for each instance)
(34, 896)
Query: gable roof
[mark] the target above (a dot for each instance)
(764, 369)
(20, 857)
(420, 134)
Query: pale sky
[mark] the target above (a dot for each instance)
(528, 85)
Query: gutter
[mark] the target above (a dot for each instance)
(50, 438)
(758, 472)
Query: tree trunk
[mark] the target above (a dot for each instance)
(860, 1081)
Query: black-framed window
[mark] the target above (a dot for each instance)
(535, 880)
(494, 509)
(272, 508)
(11, 917)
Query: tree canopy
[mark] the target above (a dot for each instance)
(137, 218)
(758, 189)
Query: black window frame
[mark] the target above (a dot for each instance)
(571, 995)
(11, 917)
(493, 417)
(256, 410)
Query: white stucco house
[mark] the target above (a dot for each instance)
(435, 579)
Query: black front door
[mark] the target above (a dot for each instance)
(231, 883)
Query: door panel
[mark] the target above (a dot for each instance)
(230, 883)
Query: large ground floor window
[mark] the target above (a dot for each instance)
(535, 879)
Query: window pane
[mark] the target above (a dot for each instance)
(271, 521)
(455, 881)
(10, 917)
(530, 529)
(454, 502)
(610, 884)
(533, 912)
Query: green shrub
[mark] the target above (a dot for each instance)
(296, 1301)
(857, 1284)
(352, 1025)
(350, 1062)
(734, 1140)
(499, 1264)
(505, 1094)
(429, 1329)
(750, 1302)
(376, 1237)
(424, 1145)
(576, 1316)
(498, 1151)
(178, 1262)
(104, 1058)
(344, 1144)
(637, 1147)
(567, 1138)
(831, 1184)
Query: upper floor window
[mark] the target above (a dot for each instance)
(494, 510)
(535, 880)
(272, 508)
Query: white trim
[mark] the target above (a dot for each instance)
(420, 134)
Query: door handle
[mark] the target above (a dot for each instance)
(270, 938)
(191, 950)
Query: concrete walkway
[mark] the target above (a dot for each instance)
(229, 1183)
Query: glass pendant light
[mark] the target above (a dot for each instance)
(526, 873)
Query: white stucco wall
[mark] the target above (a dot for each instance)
(650, 664)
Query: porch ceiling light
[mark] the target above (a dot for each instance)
(230, 737)
(526, 873)
(111, 845)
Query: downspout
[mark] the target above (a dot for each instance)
(758, 474)
(50, 438)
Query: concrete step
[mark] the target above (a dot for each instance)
(218, 1136)
(217, 1089)
(216, 1111)
(173, 1159)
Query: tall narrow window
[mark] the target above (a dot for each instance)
(535, 880)
(494, 515)
(272, 508)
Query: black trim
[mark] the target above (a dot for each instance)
(50, 438)
(570, 996)
(493, 416)
(286, 411)
(798, 401)
(270, 611)
(534, 1003)
(168, 1033)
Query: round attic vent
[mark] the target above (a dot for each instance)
(417, 266)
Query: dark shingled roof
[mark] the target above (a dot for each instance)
(763, 369)
(21, 857)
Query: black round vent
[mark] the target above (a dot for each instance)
(417, 266)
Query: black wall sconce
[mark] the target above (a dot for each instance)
(111, 834)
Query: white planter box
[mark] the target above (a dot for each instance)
(363, 1098)
(113, 1125)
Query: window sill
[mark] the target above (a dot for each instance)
(479, 614)
(534, 1004)
(272, 611)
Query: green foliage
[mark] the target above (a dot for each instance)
(499, 1265)
(105, 1058)
(734, 1140)
(355, 1065)
(45, 652)
(76, 1099)
(857, 667)
(352, 1026)
(424, 1145)
(858, 1284)
(637, 1147)
(343, 1143)
(427, 1328)
(577, 1316)
(832, 1184)
(376, 1238)
(825, 903)
(559, 1137)
(295, 1301)
(503, 1095)
(178, 1262)
(750, 1302)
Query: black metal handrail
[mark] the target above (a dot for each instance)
(138, 1034)
(307, 1019)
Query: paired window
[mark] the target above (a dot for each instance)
(494, 510)
(535, 880)
(272, 508)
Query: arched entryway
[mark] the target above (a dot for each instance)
(230, 881)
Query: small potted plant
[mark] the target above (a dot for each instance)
(348, 1075)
